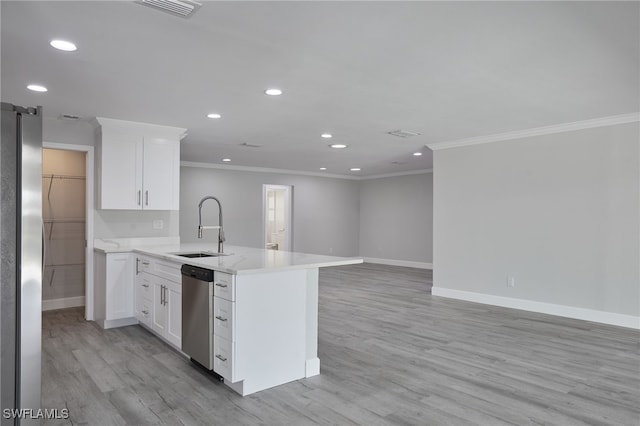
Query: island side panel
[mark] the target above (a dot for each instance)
(312, 364)
(270, 341)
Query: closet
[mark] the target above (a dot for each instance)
(64, 217)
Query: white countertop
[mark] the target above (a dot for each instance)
(241, 260)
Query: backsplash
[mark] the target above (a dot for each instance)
(131, 223)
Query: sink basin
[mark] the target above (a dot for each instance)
(200, 254)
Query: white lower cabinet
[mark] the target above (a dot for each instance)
(114, 289)
(159, 298)
(224, 321)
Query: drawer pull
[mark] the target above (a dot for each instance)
(221, 285)
(221, 318)
(221, 358)
(145, 312)
(145, 285)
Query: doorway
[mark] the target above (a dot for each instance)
(277, 217)
(64, 220)
(67, 201)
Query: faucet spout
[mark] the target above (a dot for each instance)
(221, 238)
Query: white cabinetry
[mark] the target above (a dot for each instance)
(224, 321)
(159, 298)
(138, 165)
(114, 289)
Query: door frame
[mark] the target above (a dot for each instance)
(90, 211)
(288, 207)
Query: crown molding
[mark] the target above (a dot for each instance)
(407, 173)
(264, 170)
(539, 131)
(297, 172)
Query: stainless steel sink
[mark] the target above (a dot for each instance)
(197, 254)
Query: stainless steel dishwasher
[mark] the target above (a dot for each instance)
(197, 314)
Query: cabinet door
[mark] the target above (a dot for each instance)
(174, 313)
(159, 317)
(119, 286)
(120, 172)
(161, 174)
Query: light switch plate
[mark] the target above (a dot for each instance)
(158, 224)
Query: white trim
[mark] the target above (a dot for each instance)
(407, 173)
(593, 315)
(539, 131)
(90, 211)
(66, 302)
(394, 262)
(265, 170)
(298, 172)
(312, 367)
(120, 322)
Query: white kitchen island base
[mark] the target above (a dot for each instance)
(274, 330)
(264, 314)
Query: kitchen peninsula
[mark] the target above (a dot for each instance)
(265, 309)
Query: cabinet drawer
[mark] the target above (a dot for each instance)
(223, 318)
(223, 352)
(143, 264)
(166, 269)
(144, 290)
(145, 312)
(224, 286)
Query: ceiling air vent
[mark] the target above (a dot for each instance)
(182, 8)
(403, 133)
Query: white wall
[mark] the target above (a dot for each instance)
(560, 213)
(396, 220)
(325, 210)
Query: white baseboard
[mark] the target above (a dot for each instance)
(393, 262)
(67, 302)
(121, 322)
(593, 315)
(312, 367)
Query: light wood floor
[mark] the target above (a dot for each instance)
(390, 354)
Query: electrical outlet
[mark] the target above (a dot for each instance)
(511, 281)
(158, 224)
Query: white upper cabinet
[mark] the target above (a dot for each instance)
(138, 165)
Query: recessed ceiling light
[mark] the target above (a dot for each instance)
(323, 168)
(37, 88)
(226, 160)
(214, 115)
(273, 92)
(417, 154)
(326, 135)
(67, 46)
(338, 145)
(355, 169)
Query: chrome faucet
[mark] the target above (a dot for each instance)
(221, 238)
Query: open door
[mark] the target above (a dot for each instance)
(277, 217)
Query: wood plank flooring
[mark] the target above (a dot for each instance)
(391, 354)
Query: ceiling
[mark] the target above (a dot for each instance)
(357, 70)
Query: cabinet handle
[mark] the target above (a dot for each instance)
(145, 263)
(165, 295)
(137, 266)
(221, 318)
(145, 312)
(221, 358)
(139, 197)
(146, 195)
(145, 285)
(221, 285)
(162, 295)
